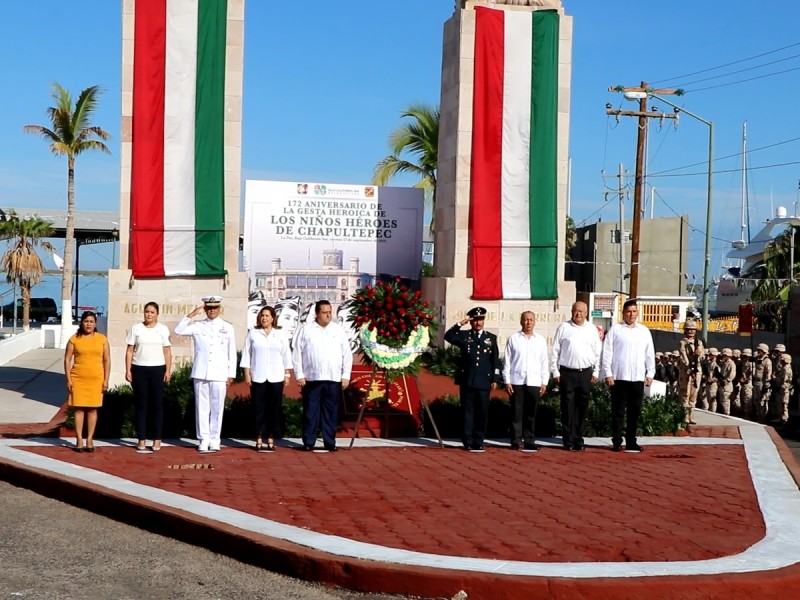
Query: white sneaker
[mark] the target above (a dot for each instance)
(213, 447)
(203, 447)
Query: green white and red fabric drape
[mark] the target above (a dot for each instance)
(513, 197)
(177, 179)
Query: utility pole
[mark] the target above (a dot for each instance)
(621, 239)
(638, 93)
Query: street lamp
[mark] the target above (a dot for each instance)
(707, 259)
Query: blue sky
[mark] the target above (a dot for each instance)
(325, 82)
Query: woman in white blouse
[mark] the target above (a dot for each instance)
(267, 363)
(148, 366)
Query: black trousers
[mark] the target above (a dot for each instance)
(524, 402)
(575, 386)
(626, 396)
(321, 411)
(267, 398)
(475, 410)
(148, 390)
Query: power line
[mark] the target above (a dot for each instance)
(712, 87)
(692, 227)
(774, 166)
(739, 71)
(734, 155)
(735, 62)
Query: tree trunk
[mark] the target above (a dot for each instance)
(66, 278)
(26, 306)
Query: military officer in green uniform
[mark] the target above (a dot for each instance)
(478, 373)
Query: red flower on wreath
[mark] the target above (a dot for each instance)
(392, 309)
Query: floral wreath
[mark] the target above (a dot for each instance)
(394, 325)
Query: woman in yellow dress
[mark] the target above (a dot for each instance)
(87, 364)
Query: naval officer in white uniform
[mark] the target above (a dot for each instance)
(214, 368)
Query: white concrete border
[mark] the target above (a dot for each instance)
(778, 497)
(16, 345)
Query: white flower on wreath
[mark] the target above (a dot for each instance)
(388, 357)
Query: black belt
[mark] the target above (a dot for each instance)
(563, 368)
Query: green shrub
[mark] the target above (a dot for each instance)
(442, 361)
(660, 415)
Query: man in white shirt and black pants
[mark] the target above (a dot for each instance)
(628, 366)
(322, 363)
(575, 364)
(525, 376)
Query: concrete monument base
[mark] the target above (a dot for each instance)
(176, 297)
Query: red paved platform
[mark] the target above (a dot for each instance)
(554, 506)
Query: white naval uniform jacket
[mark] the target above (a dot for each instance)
(214, 348)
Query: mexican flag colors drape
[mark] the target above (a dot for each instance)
(513, 199)
(177, 179)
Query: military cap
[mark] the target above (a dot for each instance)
(747, 352)
(727, 352)
(477, 314)
(690, 324)
(780, 348)
(659, 354)
(676, 353)
(787, 358)
(762, 347)
(211, 301)
(713, 352)
(737, 353)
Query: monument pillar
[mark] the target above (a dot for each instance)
(177, 295)
(459, 208)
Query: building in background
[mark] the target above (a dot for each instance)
(663, 250)
(332, 282)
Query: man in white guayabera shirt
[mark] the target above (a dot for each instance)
(629, 363)
(322, 363)
(525, 376)
(575, 364)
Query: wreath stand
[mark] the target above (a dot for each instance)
(387, 406)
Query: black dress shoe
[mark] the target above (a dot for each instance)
(331, 448)
(568, 446)
(515, 445)
(577, 448)
(305, 448)
(530, 447)
(477, 448)
(616, 448)
(633, 448)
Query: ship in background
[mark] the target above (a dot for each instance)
(736, 288)
(742, 274)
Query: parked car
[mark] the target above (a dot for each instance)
(41, 309)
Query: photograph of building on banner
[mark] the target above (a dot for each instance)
(305, 242)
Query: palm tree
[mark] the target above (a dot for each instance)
(570, 235)
(22, 265)
(70, 133)
(417, 140)
(775, 270)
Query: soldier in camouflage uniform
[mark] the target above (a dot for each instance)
(674, 372)
(690, 353)
(736, 401)
(783, 387)
(727, 373)
(774, 405)
(762, 376)
(746, 384)
(711, 379)
(661, 368)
